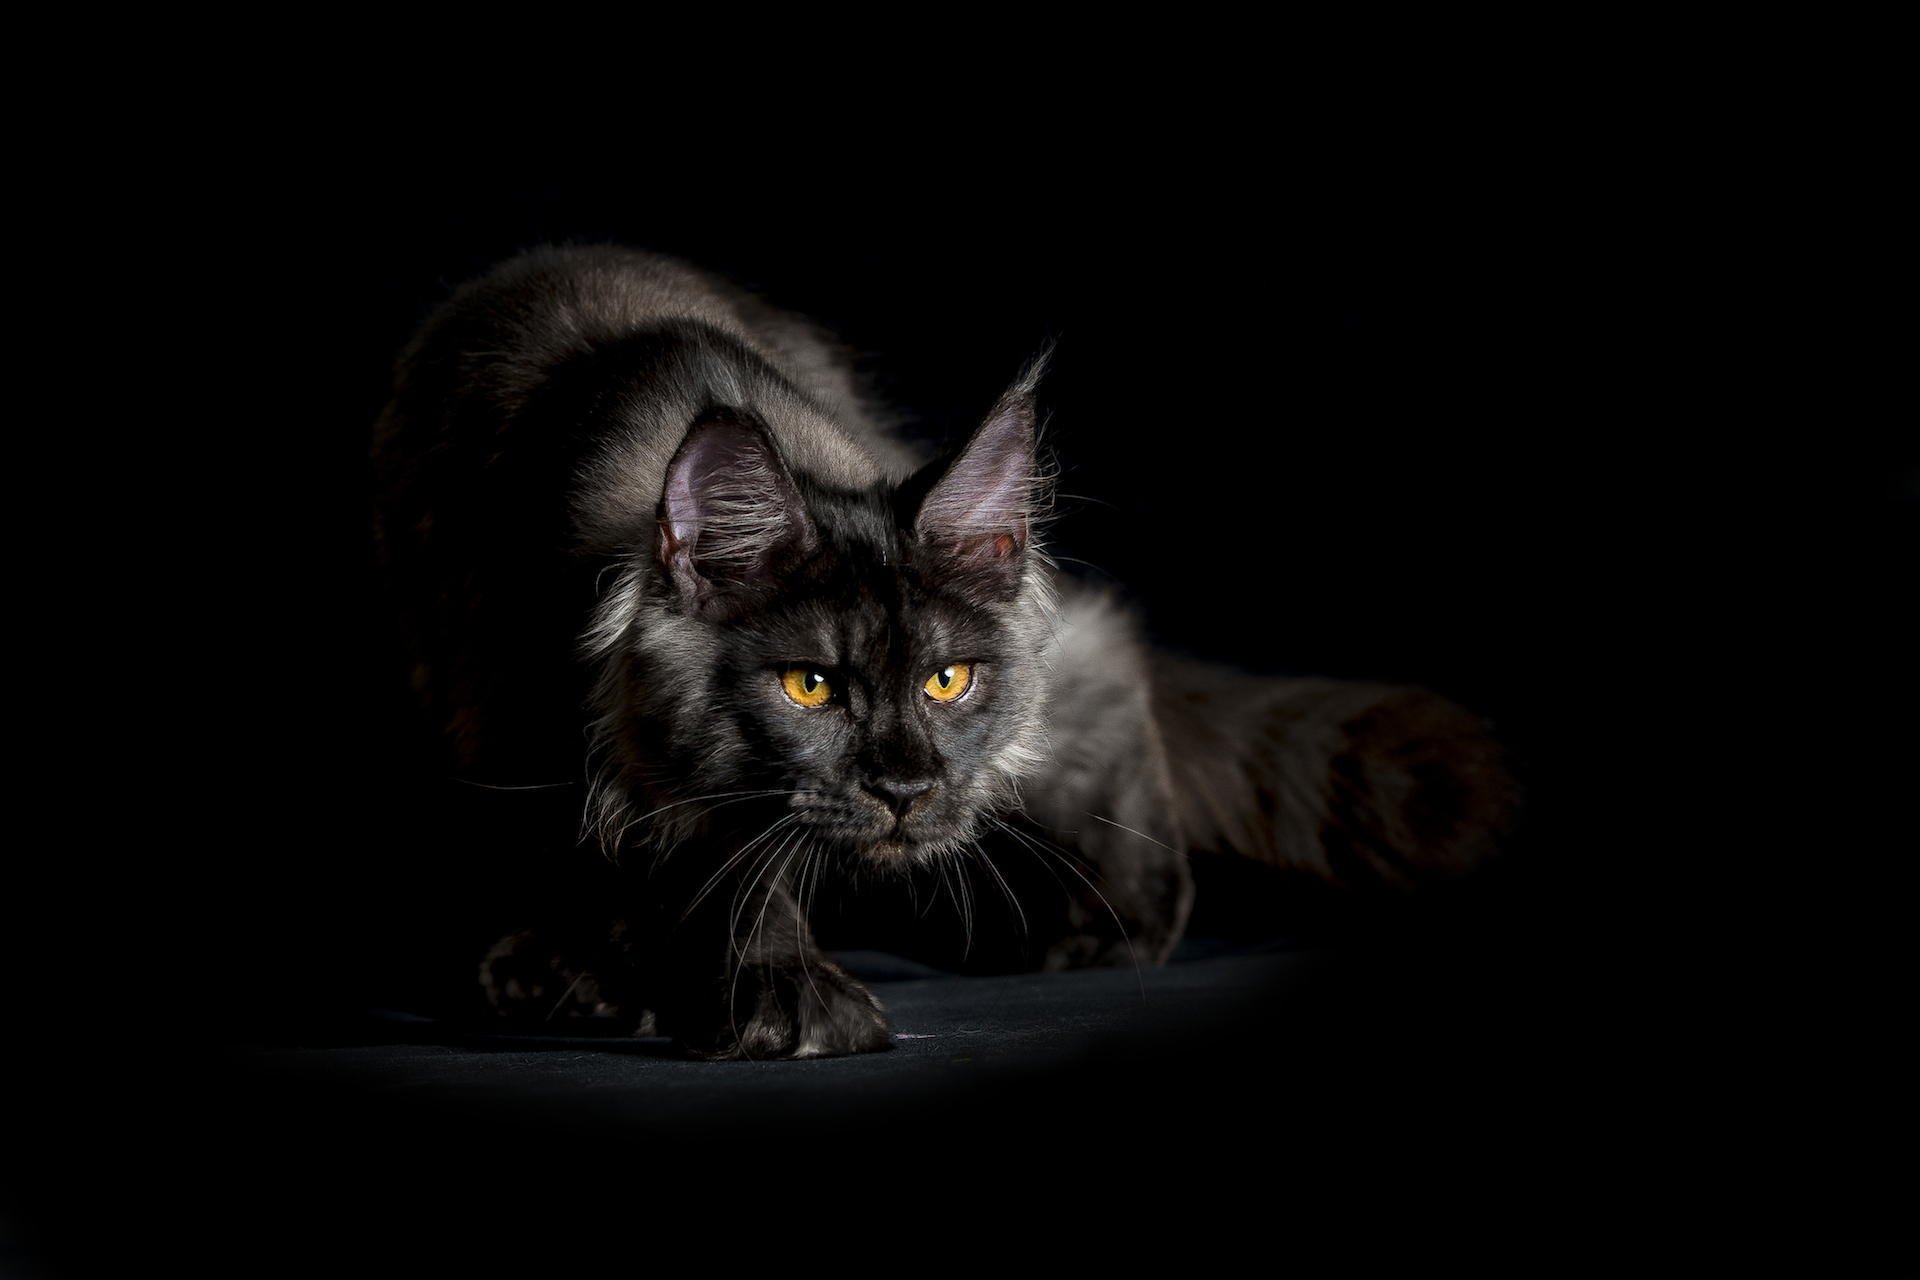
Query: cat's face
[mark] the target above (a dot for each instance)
(873, 660)
(898, 713)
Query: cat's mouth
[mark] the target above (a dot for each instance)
(887, 839)
(898, 844)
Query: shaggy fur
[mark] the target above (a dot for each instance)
(619, 499)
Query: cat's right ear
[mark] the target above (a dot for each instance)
(730, 515)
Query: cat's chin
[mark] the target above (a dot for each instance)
(890, 852)
(895, 847)
(897, 852)
(883, 845)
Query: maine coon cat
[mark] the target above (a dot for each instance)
(637, 521)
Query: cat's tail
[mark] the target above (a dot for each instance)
(1357, 783)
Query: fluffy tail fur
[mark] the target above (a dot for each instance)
(1355, 782)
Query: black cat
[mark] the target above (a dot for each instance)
(634, 516)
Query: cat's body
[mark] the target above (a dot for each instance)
(639, 523)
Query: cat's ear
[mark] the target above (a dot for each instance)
(730, 514)
(977, 518)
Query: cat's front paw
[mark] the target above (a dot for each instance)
(525, 977)
(813, 1010)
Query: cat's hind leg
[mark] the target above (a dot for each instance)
(1113, 852)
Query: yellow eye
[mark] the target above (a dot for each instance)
(806, 686)
(949, 683)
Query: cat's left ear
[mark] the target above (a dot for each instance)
(978, 516)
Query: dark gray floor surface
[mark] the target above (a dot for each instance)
(1106, 1110)
(954, 1037)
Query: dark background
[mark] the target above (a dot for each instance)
(1429, 411)
(1390, 431)
(1371, 437)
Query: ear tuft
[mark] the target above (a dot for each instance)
(978, 517)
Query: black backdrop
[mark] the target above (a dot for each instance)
(1404, 416)
(1383, 425)
(1369, 430)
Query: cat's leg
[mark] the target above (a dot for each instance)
(738, 975)
(1110, 839)
(529, 976)
(1126, 904)
(1101, 812)
(545, 976)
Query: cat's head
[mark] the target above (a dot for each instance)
(873, 657)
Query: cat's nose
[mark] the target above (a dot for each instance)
(898, 793)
